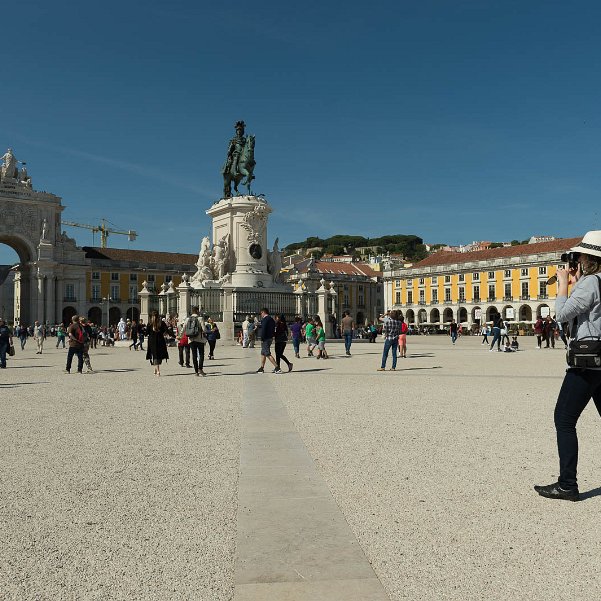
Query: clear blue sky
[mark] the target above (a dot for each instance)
(455, 121)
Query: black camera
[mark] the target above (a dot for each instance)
(572, 259)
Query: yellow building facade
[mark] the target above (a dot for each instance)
(472, 287)
(114, 277)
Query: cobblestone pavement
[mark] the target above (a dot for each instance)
(121, 485)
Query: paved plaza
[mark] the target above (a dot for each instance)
(332, 482)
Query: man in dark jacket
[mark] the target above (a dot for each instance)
(267, 329)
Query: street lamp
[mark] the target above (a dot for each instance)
(107, 300)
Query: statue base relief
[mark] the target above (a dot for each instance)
(243, 221)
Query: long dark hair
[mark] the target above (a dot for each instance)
(155, 321)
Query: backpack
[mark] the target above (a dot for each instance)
(81, 335)
(192, 328)
(404, 328)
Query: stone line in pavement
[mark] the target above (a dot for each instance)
(293, 541)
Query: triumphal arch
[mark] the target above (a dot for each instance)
(51, 267)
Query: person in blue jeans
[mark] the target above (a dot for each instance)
(348, 325)
(497, 324)
(453, 329)
(295, 331)
(6, 339)
(391, 328)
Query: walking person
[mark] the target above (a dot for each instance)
(77, 338)
(348, 326)
(141, 334)
(94, 339)
(497, 324)
(194, 328)
(183, 347)
(582, 380)
(246, 324)
(296, 332)
(6, 341)
(403, 338)
(391, 328)
(267, 328)
(133, 335)
(505, 332)
(23, 333)
(549, 332)
(60, 335)
(310, 336)
(280, 340)
(157, 345)
(83, 322)
(38, 336)
(213, 335)
(453, 331)
(539, 329)
(320, 337)
(252, 332)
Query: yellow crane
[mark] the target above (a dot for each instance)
(104, 231)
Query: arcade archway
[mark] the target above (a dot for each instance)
(95, 316)
(68, 313)
(8, 259)
(490, 313)
(49, 273)
(525, 313)
(114, 315)
(16, 279)
(133, 313)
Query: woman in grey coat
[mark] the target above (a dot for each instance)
(582, 309)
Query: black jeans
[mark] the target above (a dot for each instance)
(184, 350)
(579, 385)
(75, 351)
(212, 344)
(198, 355)
(280, 347)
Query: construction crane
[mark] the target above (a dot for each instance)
(104, 231)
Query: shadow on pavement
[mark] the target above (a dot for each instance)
(28, 366)
(116, 371)
(15, 384)
(595, 492)
(416, 368)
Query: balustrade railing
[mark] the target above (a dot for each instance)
(209, 300)
(251, 303)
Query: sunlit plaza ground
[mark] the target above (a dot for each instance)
(121, 485)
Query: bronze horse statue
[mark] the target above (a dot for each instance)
(244, 171)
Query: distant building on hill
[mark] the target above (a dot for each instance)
(537, 239)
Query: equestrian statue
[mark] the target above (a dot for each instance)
(240, 162)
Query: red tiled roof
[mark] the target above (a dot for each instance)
(446, 257)
(139, 256)
(335, 268)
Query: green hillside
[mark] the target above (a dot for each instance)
(408, 245)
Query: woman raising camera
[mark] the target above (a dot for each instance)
(583, 311)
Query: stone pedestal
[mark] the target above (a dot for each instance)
(242, 220)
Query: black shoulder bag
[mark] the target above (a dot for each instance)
(585, 352)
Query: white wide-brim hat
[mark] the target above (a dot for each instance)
(590, 245)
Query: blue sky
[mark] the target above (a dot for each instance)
(455, 121)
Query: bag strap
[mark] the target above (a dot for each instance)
(575, 320)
